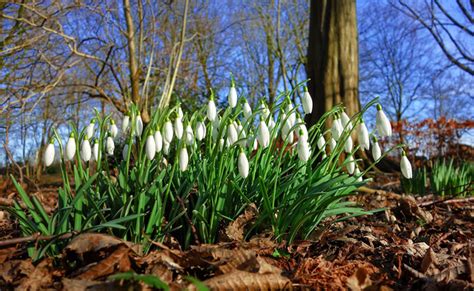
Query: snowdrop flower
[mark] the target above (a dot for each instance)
(252, 142)
(95, 151)
(168, 131)
(291, 113)
(189, 135)
(49, 154)
(247, 110)
(200, 131)
(179, 112)
(286, 132)
(86, 151)
(376, 151)
(307, 101)
(125, 151)
(264, 109)
(211, 109)
(139, 126)
(221, 144)
(232, 134)
(350, 165)
(363, 136)
(321, 142)
(183, 159)
(336, 128)
(125, 123)
(110, 146)
(166, 147)
(346, 121)
(303, 148)
(232, 98)
(405, 166)
(158, 141)
(263, 135)
(178, 128)
(70, 147)
(113, 129)
(332, 144)
(301, 128)
(243, 165)
(382, 123)
(271, 124)
(150, 147)
(348, 145)
(90, 129)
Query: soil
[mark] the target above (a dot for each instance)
(409, 243)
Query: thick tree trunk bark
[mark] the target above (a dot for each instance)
(333, 57)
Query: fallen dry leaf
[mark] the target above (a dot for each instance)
(235, 229)
(118, 261)
(241, 280)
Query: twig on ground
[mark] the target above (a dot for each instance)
(35, 237)
(447, 201)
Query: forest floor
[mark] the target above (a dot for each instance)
(412, 243)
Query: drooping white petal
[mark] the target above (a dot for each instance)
(358, 174)
(86, 151)
(95, 151)
(70, 148)
(303, 148)
(382, 123)
(376, 151)
(183, 159)
(346, 121)
(90, 130)
(321, 142)
(113, 130)
(301, 128)
(271, 124)
(189, 138)
(139, 126)
(332, 144)
(178, 128)
(166, 147)
(48, 155)
(307, 102)
(350, 164)
(168, 131)
(150, 147)
(125, 123)
(232, 134)
(348, 145)
(232, 98)
(243, 165)
(263, 134)
(110, 146)
(211, 110)
(247, 110)
(200, 131)
(405, 166)
(363, 136)
(336, 129)
(265, 110)
(158, 141)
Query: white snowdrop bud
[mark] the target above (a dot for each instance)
(150, 147)
(263, 135)
(178, 128)
(346, 121)
(264, 109)
(95, 151)
(321, 142)
(86, 151)
(303, 148)
(271, 124)
(90, 129)
(363, 136)
(348, 145)
(168, 131)
(71, 147)
(139, 126)
(232, 98)
(336, 128)
(183, 159)
(158, 141)
(221, 144)
(125, 123)
(376, 151)
(179, 112)
(247, 110)
(113, 129)
(110, 146)
(232, 134)
(350, 164)
(49, 154)
(200, 131)
(189, 135)
(291, 114)
(332, 144)
(405, 166)
(125, 151)
(243, 165)
(166, 147)
(307, 101)
(382, 123)
(211, 110)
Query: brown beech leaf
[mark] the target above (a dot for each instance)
(118, 261)
(241, 280)
(40, 278)
(235, 229)
(429, 260)
(359, 280)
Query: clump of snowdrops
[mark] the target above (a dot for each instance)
(188, 175)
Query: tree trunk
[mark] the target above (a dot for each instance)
(333, 57)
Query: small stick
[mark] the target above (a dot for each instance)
(447, 201)
(35, 237)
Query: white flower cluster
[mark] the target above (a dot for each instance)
(239, 126)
